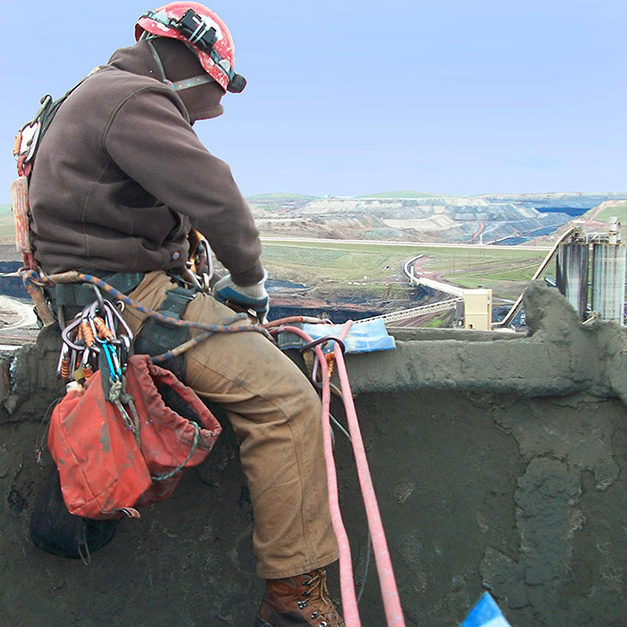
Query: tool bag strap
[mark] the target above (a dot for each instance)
(156, 337)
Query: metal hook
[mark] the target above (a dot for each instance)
(121, 320)
(99, 298)
(68, 329)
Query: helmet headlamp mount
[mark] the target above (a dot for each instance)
(197, 32)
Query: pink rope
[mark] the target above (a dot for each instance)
(347, 584)
(389, 591)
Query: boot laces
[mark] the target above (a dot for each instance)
(317, 584)
(317, 595)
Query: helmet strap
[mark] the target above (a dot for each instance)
(157, 58)
(186, 83)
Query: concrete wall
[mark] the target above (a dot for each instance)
(498, 460)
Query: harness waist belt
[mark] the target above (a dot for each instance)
(81, 294)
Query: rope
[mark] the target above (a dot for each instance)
(347, 584)
(389, 591)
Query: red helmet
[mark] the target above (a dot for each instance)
(203, 31)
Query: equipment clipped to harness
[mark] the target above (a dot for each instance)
(20, 208)
(97, 337)
(27, 139)
(29, 136)
(109, 464)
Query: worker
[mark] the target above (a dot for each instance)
(119, 180)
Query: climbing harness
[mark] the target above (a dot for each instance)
(37, 280)
(158, 338)
(25, 148)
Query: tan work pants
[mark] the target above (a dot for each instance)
(275, 414)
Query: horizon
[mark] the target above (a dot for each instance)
(419, 194)
(440, 96)
(435, 194)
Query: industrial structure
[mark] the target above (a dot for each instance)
(477, 303)
(590, 273)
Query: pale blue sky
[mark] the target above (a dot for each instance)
(355, 96)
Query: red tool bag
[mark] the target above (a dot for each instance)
(104, 472)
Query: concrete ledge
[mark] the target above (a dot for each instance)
(499, 463)
(559, 357)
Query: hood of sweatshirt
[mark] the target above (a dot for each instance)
(179, 62)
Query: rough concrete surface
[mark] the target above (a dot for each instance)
(498, 461)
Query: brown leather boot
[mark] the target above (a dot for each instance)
(298, 601)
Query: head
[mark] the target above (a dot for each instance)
(204, 33)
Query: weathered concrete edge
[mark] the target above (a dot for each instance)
(559, 356)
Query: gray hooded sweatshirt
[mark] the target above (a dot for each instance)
(120, 176)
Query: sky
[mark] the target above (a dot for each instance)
(352, 97)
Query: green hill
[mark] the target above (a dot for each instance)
(280, 202)
(605, 213)
(278, 196)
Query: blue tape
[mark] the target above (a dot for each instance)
(485, 613)
(363, 337)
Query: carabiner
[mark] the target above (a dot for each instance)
(65, 334)
(113, 309)
(100, 301)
